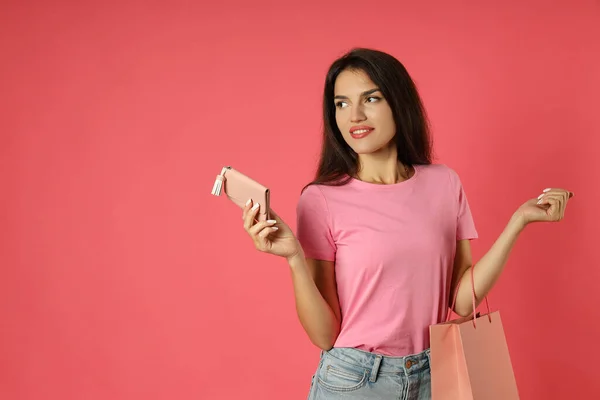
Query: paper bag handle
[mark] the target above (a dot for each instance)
(473, 297)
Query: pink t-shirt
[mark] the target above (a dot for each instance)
(393, 247)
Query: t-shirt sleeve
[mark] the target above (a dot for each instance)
(465, 226)
(314, 225)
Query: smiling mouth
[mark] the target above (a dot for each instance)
(360, 133)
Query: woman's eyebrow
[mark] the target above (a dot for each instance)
(365, 93)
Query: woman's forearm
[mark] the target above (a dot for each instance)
(315, 314)
(488, 268)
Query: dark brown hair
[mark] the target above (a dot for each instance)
(338, 162)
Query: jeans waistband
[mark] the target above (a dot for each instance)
(407, 365)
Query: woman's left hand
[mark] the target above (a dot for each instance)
(549, 206)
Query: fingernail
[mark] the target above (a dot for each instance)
(255, 206)
(271, 221)
(546, 190)
(540, 196)
(249, 201)
(539, 202)
(274, 228)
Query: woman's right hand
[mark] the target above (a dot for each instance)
(272, 236)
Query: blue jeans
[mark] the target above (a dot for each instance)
(347, 373)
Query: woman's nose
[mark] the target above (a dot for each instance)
(357, 114)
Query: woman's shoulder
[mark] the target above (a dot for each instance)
(322, 189)
(441, 173)
(442, 170)
(310, 194)
(323, 195)
(312, 189)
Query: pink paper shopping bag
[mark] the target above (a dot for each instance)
(470, 358)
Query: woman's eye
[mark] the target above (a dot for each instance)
(340, 104)
(373, 99)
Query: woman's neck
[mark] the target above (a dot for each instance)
(382, 170)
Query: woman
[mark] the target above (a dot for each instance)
(382, 237)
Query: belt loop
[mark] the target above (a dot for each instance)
(375, 368)
(428, 352)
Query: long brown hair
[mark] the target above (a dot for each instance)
(338, 162)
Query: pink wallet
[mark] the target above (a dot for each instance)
(239, 188)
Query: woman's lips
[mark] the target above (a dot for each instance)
(359, 132)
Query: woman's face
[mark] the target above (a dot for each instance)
(362, 114)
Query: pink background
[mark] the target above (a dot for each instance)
(123, 278)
